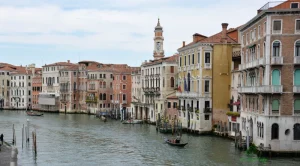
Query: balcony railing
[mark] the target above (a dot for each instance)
(188, 94)
(261, 89)
(91, 99)
(207, 110)
(296, 89)
(270, 5)
(277, 60)
(207, 65)
(296, 59)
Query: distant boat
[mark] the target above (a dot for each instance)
(175, 144)
(31, 113)
(132, 122)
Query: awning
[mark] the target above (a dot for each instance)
(251, 46)
(236, 103)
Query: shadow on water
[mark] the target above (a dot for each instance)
(73, 139)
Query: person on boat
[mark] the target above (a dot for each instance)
(177, 140)
(1, 139)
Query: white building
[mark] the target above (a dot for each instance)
(49, 98)
(21, 88)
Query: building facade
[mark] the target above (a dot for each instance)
(204, 74)
(270, 75)
(5, 71)
(36, 88)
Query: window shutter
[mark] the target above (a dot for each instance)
(297, 77)
(275, 105)
(297, 104)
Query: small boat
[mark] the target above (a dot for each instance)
(103, 118)
(175, 144)
(31, 113)
(132, 122)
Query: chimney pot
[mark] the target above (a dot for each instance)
(183, 44)
(224, 32)
(68, 61)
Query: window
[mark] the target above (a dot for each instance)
(124, 86)
(184, 60)
(207, 57)
(104, 96)
(174, 105)
(297, 48)
(180, 60)
(276, 49)
(111, 97)
(258, 31)
(206, 117)
(297, 106)
(124, 97)
(275, 106)
(124, 77)
(277, 26)
(172, 69)
(297, 131)
(275, 77)
(169, 104)
(189, 59)
(100, 96)
(198, 57)
(193, 59)
(297, 77)
(294, 5)
(297, 26)
(206, 84)
(275, 131)
(172, 82)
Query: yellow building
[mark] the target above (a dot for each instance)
(204, 79)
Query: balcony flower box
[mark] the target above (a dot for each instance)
(230, 113)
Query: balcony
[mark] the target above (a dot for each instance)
(261, 89)
(91, 99)
(296, 89)
(207, 65)
(277, 60)
(207, 110)
(296, 59)
(124, 102)
(188, 94)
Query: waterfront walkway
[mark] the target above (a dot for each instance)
(5, 155)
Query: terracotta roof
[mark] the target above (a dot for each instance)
(165, 59)
(216, 38)
(71, 67)
(172, 97)
(6, 68)
(59, 64)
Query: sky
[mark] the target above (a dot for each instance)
(109, 31)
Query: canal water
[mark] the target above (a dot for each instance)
(84, 140)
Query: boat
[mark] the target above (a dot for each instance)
(31, 113)
(175, 144)
(103, 118)
(132, 122)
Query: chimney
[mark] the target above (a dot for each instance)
(224, 32)
(68, 61)
(183, 44)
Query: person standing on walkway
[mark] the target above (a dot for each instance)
(1, 139)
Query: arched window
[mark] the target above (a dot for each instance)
(264, 49)
(100, 96)
(297, 48)
(275, 131)
(297, 106)
(297, 131)
(111, 85)
(74, 85)
(104, 84)
(297, 77)
(276, 48)
(101, 84)
(104, 96)
(275, 77)
(172, 82)
(258, 51)
(275, 106)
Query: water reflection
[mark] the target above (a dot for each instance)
(84, 140)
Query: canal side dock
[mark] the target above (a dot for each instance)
(5, 154)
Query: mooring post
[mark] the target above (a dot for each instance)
(27, 130)
(22, 135)
(13, 140)
(247, 139)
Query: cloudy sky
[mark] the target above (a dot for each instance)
(108, 31)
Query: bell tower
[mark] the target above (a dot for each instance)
(158, 42)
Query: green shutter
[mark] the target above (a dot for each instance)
(275, 105)
(276, 77)
(297, 104)
(297, 77)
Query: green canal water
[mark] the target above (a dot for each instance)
(84, 140)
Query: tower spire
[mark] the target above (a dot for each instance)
(158, 23)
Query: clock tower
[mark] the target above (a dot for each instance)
(158, 42)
